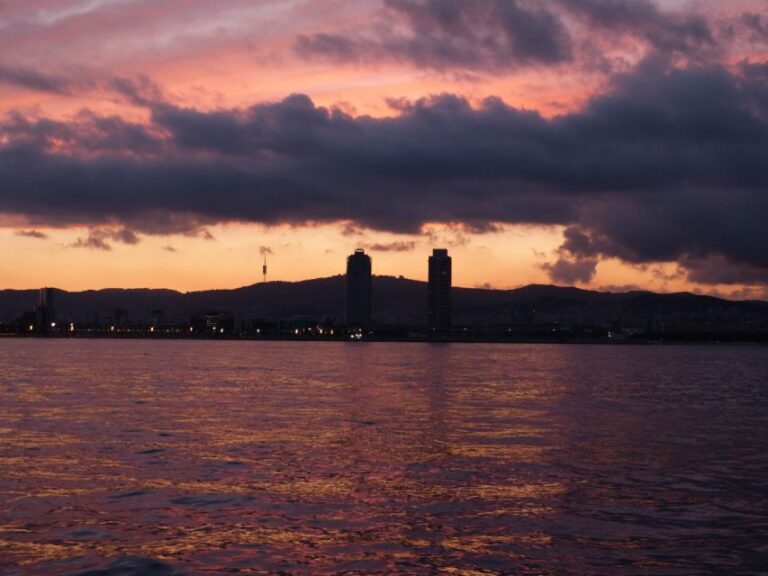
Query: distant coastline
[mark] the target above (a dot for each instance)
(313, 310)
(403, 340)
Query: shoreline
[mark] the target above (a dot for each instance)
(404, 340)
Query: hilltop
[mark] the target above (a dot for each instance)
(401, 301)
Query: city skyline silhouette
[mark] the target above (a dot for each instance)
(139, 148)
(457, 287)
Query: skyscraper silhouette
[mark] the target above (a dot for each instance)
(439, 292)
(359, 290)
(46, 310)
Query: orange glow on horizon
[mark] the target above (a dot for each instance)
(510, 258)
(244, 54)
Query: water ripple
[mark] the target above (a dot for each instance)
(138, 457)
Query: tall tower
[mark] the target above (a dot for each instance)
(46, 309)
(359, 290)
(264, 268)
(439, 292)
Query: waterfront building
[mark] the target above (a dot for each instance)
(359, 290)
(46, 310)
(439, 292)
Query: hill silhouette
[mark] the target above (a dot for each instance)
(401, 301)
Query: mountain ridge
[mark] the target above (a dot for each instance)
(402, 301)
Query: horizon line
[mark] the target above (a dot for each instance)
(398, 277)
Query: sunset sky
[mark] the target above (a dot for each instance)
(609, 144)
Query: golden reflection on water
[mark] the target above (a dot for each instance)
(263, 457)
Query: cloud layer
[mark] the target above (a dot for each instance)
(468, 34)
(493, 36)
(669, 165)
(667, 161)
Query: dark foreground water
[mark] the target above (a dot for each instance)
(143, 457)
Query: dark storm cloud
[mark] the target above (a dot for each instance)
(502, 35)
(93, 243)
(86, 132)
(756, 26)
(99, 238)
(36, 234)
(720, 270)
(567, 271)
(670, 165)
(34, 80)
(397, 246)
(664, 31)
(449, 34)
(141, 90)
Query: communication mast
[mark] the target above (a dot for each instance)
(264, 268)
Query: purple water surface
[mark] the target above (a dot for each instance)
(201, 457)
